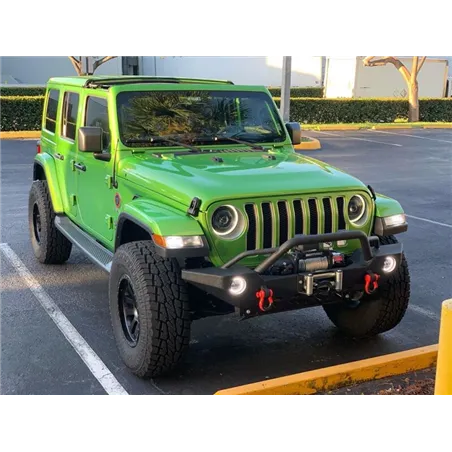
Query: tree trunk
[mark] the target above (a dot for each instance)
(413, 99)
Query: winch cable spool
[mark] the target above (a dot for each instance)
(302, 261)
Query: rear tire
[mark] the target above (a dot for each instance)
(149, 309)
(50, 246)
(379, 313)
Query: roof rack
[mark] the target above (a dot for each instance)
(107, 82)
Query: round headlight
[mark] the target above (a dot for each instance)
(356, 208)
(227, 222)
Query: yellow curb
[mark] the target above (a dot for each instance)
(332, 127)
(312, 145)
(329, 378)
(395, 126)
(20, 134)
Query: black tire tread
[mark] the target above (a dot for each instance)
(396, 296)
(166, 311)
(54, 248)
(391, 306)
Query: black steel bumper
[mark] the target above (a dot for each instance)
(367, 259)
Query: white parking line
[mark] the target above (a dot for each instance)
(412, 136)
(423, 311)
(430, 221)
(89, 357)
(359, 139)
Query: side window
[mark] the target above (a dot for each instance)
(97, 116)
(52, 108)
(70, 109)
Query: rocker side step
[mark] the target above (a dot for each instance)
(94, 250)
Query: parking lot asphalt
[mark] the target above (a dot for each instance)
(415, 167)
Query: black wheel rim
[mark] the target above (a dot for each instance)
(37, 223)
(128, 311)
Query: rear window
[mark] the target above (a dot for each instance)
(52, 108)
(70, 110)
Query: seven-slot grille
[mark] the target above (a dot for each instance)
(270, 224)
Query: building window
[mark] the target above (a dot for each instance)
(52, 108)
(97, 116)
(70, 110)
(130, 65)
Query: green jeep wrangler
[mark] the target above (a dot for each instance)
(190, 194)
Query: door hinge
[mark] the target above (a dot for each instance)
(73, 200)
(109, 220)
(109, 181)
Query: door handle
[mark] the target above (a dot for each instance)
(58, 156)
(80, 166)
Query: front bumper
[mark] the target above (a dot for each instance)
(298, 289)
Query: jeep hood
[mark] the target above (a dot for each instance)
(233, 175)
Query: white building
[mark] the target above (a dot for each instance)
(306, 71)
(347, 77)
(258, 70)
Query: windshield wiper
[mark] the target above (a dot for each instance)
(257, 147)
(164, 140)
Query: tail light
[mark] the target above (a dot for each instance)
(38, 147)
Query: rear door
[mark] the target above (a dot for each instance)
(50, 136)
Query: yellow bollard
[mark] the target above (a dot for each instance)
(443, 385)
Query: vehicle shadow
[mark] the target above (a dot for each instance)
(225, 352)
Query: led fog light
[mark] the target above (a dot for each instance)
(389, 264)
(238, 285)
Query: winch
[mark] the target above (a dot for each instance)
(299, 260)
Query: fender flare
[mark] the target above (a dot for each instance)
(385, 207)
(159, 219)
(46, 162)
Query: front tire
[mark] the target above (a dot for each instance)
(149, 309)
(50, 246)
(375, 314)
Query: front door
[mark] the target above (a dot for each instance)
(95, 194)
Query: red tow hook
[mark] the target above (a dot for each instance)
(371, 282)
(262, 295)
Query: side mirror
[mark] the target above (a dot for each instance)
(90, 139)
(294, 130)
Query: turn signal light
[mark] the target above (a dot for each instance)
(178, 241)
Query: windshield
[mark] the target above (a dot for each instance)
(204, 116)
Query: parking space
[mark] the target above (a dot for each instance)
(415, 167)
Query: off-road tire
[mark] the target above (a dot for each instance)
(51, 247)
(377, 313)
(163, 308)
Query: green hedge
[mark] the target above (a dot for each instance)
(299, 92)
(23, 91)
(331, 111)
(25, 112)
(21, 112)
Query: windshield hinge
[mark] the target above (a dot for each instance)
(195, 204)
(109, 181)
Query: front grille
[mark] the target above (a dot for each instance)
(272, 223)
